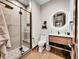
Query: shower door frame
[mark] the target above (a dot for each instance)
(76, 30)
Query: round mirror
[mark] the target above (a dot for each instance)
(59, 19)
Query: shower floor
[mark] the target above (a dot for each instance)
(15, 54)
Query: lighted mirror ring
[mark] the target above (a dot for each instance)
(51, 21)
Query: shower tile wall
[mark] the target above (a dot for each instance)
(13, 21)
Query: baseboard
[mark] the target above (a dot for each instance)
(35, 47)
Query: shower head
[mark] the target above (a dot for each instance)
(9, 7)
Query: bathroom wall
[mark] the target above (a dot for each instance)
(13, 22)
(50, 8)
(35, 23)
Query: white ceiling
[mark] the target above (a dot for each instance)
(25, 2)
(42, 1)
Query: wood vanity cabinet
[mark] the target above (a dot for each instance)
(60, 39)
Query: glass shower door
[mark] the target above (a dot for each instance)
(24, 31)
(19, 31)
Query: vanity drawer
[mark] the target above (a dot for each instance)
(60, 39)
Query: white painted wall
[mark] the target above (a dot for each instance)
(50, 8)
(35, 23)
(45, 12)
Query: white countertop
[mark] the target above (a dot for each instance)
(62, 35)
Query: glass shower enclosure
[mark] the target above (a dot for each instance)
(18, 19)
